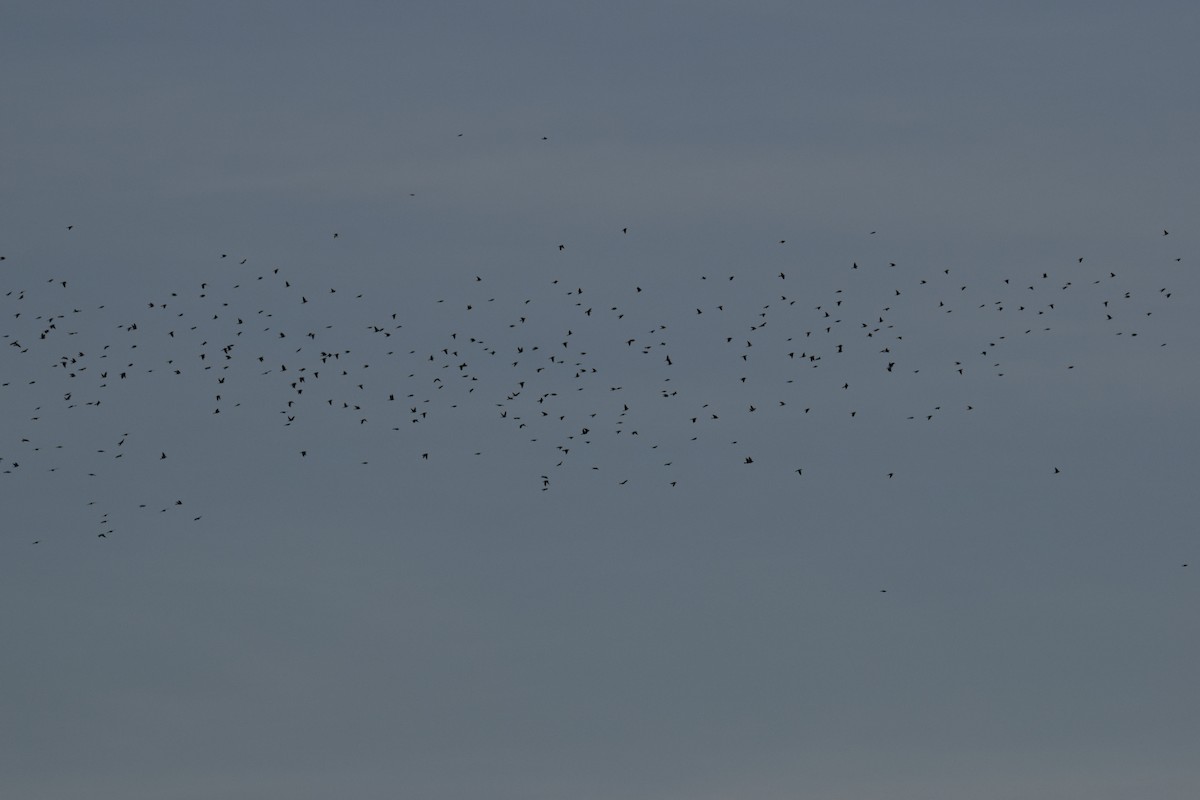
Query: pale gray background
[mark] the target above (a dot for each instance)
(444, 628)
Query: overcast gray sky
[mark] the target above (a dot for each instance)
(697, 400)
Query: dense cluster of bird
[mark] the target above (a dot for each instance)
(694, 369)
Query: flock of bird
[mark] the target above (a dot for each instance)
(612, 383)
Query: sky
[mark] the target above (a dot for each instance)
(659, 400)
